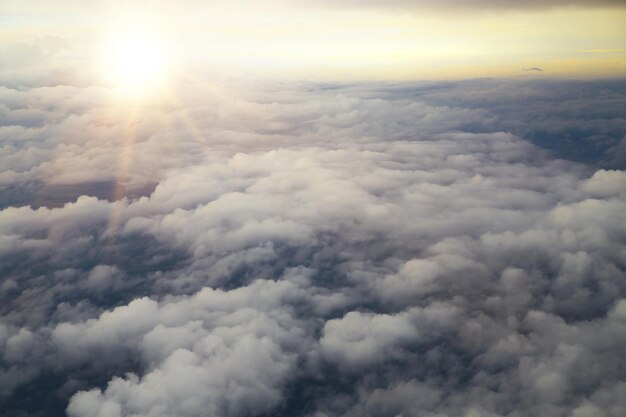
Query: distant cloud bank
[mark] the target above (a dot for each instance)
(477, 4)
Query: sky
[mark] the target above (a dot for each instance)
(312, 208)
(340, 40)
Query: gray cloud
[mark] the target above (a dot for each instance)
(465, 5)
(313, 250)
(57, 9)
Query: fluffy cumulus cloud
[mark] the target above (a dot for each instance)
(261, 248)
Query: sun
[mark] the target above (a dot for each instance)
(137, 61)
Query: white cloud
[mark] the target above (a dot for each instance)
(306, 250)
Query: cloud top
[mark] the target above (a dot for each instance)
(318, 250)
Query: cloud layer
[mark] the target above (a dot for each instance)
(448, 5)
(313, 250)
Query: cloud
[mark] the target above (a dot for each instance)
(214, 352)
(374, 249)
(480, 4)
(60, 7)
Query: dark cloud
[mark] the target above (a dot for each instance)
(314, 250)
(465, 5)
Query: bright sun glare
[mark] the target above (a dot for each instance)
(136, 62)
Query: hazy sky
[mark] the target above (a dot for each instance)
(338, 40)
